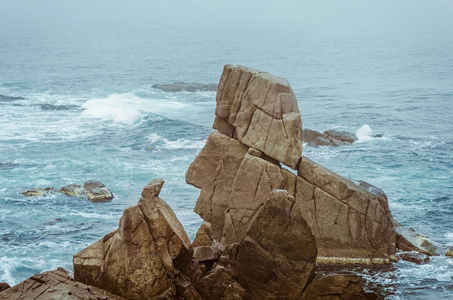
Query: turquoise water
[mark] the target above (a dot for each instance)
(87, 111)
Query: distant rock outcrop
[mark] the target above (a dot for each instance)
(97, 192)
(186, 87)
(328, 138)
(55, 284)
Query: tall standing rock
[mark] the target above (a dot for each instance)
(141, 258)
(260, 110)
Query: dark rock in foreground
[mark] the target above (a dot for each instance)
(342, 286)
(55, 284)
(4, 286)
(186, 87)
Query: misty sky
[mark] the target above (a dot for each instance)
(350, 15)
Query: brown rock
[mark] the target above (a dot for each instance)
(4, 286)
(342, 286)
(347, 220)
(203, 236)
(276, 258)
(449, 252)
(140, 259)
(213, 171)
(220, 283)
(97, 192)
(55, 284)
(72, 190)
(260, 110)
(409, 240)
(415, 257)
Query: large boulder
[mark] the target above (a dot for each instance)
(140, 259)
(276, 258)
(55, 284)
(260, 110)
(348, 221)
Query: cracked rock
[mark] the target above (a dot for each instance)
(141, 258)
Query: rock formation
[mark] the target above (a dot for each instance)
(236, 176)
(265, 226)
(347, 220)
(260, 110)
(141, 259)
(55, 284)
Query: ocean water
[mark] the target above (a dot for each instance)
(77, 104)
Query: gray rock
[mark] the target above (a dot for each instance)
(186, 87)
(72, 190)
(97, 192)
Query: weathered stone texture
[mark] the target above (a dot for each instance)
(347, 220)
(337, 287)
(141, 258)
(55, 284)
(260, 110)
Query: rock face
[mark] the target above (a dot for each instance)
(260, 110)
(236, 176)
(55, 284)
(347, 220)
(276, 258)
(342, 286)
(141, 259)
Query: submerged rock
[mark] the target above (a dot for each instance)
(37, 192)
(56, 284)
(97, 192)
(73, 190)
(186, 87)
(140, 259)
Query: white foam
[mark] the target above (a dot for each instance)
(119, 108)
(163, 143)
(364, 134)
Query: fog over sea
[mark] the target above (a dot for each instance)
(77, 104)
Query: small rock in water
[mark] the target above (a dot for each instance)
(72, 190)
(415, 257)
(38, 192)
(449, 252)
(97, 192)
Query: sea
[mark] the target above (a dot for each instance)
(77, 103)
